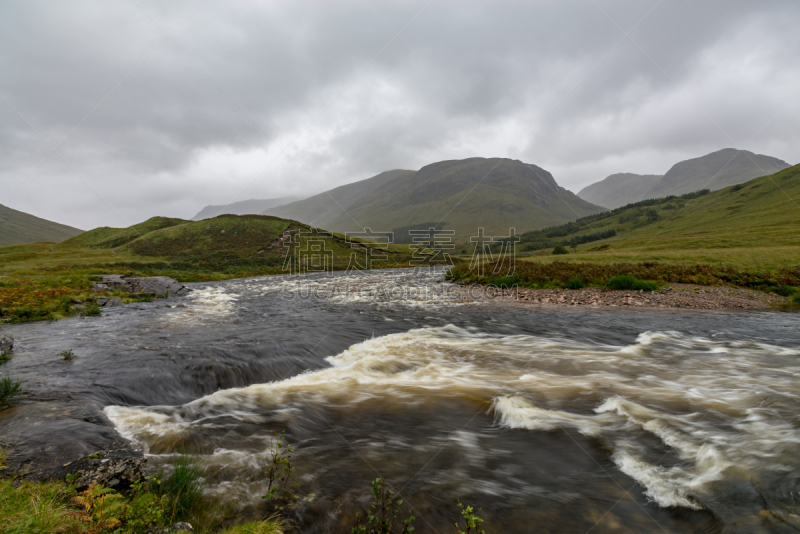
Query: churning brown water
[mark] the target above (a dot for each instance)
(550, 420)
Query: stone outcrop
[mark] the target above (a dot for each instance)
(154, 286)
(6, 343)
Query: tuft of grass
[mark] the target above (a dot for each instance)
(9, 389)
(269, 526)
(505, 282)
(575, 283)
(67, 354)
(185, 485)
(627, 281)
(5, 356)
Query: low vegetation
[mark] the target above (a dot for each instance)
(9, 390)
(644, 275)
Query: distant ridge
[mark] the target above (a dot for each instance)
(243, 207)
(713, 171)
(620, 189)
(20, 228)
(490, 193)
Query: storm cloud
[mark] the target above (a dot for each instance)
(113, 112)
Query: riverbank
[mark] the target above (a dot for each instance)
(677, 296)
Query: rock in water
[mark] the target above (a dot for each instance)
(6, 343)
(155, 286)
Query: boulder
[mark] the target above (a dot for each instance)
(115, 469)
(154, 286)
(113, 303)
(6, 343)
(102, 301)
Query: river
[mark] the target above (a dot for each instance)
(548, 419)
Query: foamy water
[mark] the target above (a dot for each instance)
(691, 419)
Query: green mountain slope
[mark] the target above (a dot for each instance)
(495, 194)
(107, 237)
(619, 189)
(714, 171)
(751, 225)
(18, 228)
(243, 207)
(322, 209)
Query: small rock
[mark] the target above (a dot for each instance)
(6, 342)
(102, 301)
(78, 307)
(114, 303)
(177, 527)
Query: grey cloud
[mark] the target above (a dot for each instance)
(558, 81)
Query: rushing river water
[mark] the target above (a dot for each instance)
(549, 419)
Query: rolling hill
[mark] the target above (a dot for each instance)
(18, 228)
(244, 207)
(753, 225)
(713, 171)
(495, 194)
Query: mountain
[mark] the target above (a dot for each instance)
(619, 189)
(463, 195)
(753, 224)
(322, 209)
(244, 207)
(714, 171)
(19, 228)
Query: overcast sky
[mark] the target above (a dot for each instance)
(113, 112)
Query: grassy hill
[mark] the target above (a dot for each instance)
(620, 189)
(495, 194)
(18, 228)
(41, 281)
(713, 171)
(323, 209)
(743, 232)
(243, 207)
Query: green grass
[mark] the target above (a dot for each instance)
(17, 227)
(750, 227)
(42, 281)
(9, 390)
(627, 281)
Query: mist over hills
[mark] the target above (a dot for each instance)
(19, 228)
(493, 193)
(713, 171)
(243, 207)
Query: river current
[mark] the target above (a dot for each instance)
(548, 419)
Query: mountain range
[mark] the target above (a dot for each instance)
(18, 228)
(713, 171)
(243, 207)
(460, 195)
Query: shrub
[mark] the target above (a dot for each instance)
(67, 354)
(627, 281)
(382, 514)
(575, 283)
(503, 281)
(559, 249)
(4, 356)
(471, 521)
(9, 389)
(786, 291)
(279, 469)
(184, 485)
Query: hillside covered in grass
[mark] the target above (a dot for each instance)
(42, 281)
(463, 195)
(19, 228)
(713, 171)
(745, 235)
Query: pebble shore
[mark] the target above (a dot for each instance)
(682, 296)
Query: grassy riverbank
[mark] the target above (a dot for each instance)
(58, 507)
(45, 281)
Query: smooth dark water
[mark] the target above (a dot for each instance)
(549, 419)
